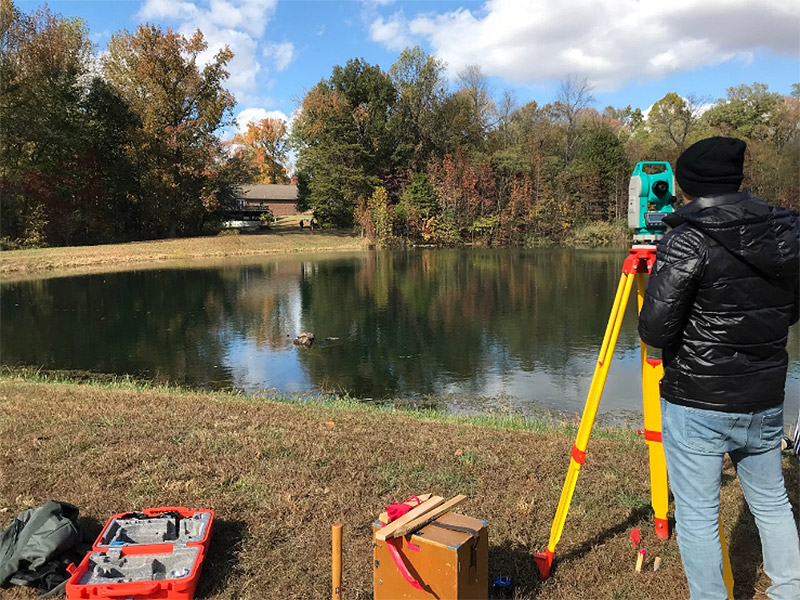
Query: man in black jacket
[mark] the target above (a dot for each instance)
(721, 297)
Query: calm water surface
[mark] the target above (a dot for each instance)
(466, 330)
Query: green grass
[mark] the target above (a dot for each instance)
(343, 402)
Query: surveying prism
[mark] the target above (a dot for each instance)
(651, 197)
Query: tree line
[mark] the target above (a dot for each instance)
(407, 155)
(119, 147)
(127, 145)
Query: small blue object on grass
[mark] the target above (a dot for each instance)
(502, 587)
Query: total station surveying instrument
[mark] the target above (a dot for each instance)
(651, 197)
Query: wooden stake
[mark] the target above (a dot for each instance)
(640, 560)
(657, 563)
(336, 561)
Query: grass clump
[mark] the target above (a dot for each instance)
(600, 233)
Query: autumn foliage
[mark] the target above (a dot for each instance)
(500, 173)
(264, 145)
(116, 149)
(127, 146)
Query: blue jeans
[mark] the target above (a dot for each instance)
(695, 442)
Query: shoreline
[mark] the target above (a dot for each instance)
(191, 252)
(544, 420)
(79, 260)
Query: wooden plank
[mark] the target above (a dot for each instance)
(429, 516)
(384, 518)
(388, 531)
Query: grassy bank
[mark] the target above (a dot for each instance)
(75, 260)
(279, 473)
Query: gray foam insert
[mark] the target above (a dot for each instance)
(156, 530)
(112, 567)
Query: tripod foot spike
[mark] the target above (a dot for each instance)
(544, 560)
(662, 529)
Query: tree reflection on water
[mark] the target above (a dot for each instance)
(459, 328)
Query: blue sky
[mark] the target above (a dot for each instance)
(631, 51)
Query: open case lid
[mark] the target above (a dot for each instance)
(166, 524)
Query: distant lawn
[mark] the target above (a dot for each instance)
(278, 473)
(286, 237)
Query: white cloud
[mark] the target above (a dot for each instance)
(244, 65)
(238, 24)
(254, 115)
(609, 42)
(392, 33)
(282, 54)
(98, 36)
(167, 9)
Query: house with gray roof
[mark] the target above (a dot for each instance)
(253, 199)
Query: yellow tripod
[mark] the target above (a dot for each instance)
(638, 264)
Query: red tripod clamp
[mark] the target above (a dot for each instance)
(640, 259)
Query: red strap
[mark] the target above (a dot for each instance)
(398, 509)
(578, 455)
(401, 566)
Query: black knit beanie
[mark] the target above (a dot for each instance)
(711, 167)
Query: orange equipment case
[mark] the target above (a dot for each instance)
(448, 558)
(156, 553)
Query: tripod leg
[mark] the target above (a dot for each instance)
(727, 572)
(544, 560)
(652, 372)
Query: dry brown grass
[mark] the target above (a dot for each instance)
(279, 474)
(76, 260)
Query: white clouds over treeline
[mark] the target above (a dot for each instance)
(239, 24)
(254, 115)
(611, 42)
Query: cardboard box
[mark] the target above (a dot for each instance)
(448, 558)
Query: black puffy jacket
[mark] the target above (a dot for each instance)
(721, 296)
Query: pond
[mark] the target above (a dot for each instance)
(468, 331)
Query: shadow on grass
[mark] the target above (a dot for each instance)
(745, 553)
(745, 543)
(517, 561)
(293, 230)
(90, 529)
(227, 539)
(344, 233)
(635, 518)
